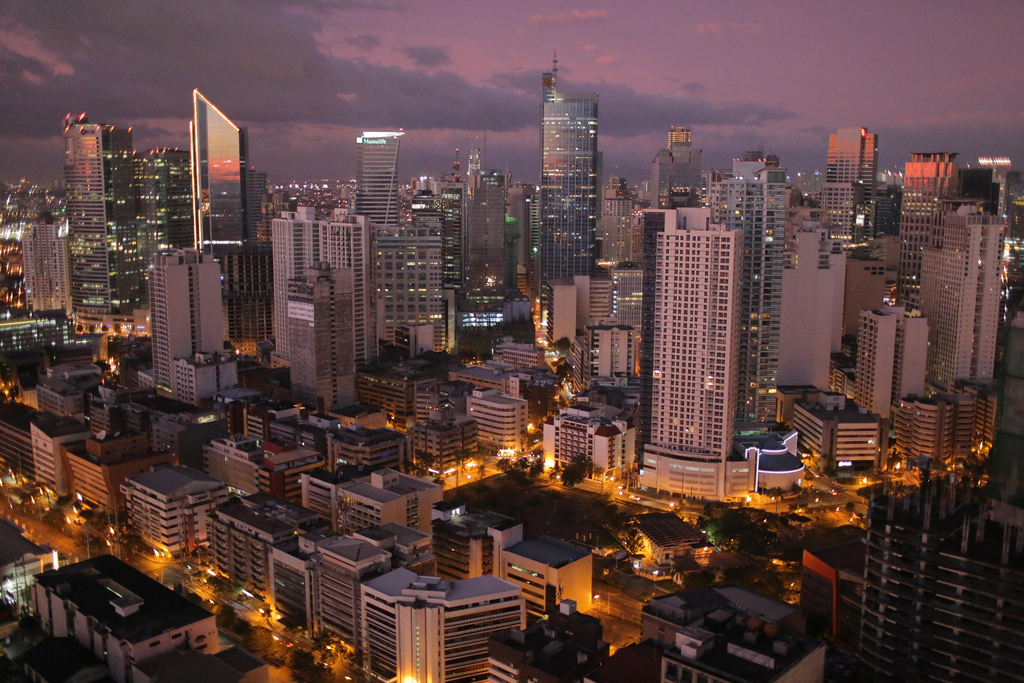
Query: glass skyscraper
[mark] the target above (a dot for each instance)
(568, 182)
(377, 177)
(220, 197)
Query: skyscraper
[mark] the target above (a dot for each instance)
(163, 195)
(676, 171)
(524, 208)
(929, 178)
(44, 245)
(848, 196)
(568, 182)
(106, 276)
(220, 177)
(377, 177)
(616, 221)
(960, 295)
(753, 201)
(690, 385)
(408, 280)
(891, 349)
(248, 288)
(320, 328)
(296, 240)
(186, 313)
(485, 238)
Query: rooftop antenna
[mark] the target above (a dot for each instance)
(455, 167)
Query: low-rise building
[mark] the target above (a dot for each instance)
(320, 493)
(49, 433)
(232, 665)
(443, 444)
(667, 537)
(170, 506)
(549, 571)
(518, 355)
(16, 440)
(98, 466)
(20, 561)
(501, 420)
(665, 616)
(419, 628)
(940, 427)
(366, 416)
(200, 377)
(470, 544)
(841, 437)
(370, 448)
(242, 535)
(387, 496)
(595, 433)
(63, 390)
(235, 460)
(282, 469)
(119, 614)
(831, 588)
(409, 548)
(394, 390)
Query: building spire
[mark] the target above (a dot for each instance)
(554, 63)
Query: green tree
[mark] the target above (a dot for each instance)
(578, 469)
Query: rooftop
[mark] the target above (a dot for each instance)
(14, 545)
(352, 549)
(60, 659)
(402, 534)
(95, 585)
(168, 481)
(549, 551)
(666, 530)
(846, 556)
(189, 665)
(356, 435)
(471, 524)
(636, 663)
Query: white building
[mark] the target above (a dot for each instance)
(570, 304)
(102, 603)
(518, 355)
(296, 240)
(549, 571)
(236, 461)
(198, 378)
(170, 506)
(841, 437)
(340, 566)
(420, 628)
(186, 312)
(959, 295)
(813, 285)
(694, 356)
(590, 433)
(49, 433)
(892, 345)
(501, 419)
(44, 245)
(603, 351)
(385, 497)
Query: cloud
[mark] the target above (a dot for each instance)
(574, 17)
(717, 28)
(364, 41)
(694, 87)
(590, 48)
(427, 55)
(606, 60)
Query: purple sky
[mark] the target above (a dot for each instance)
(306, 75)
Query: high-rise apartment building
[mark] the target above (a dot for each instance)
(319, 325)
(568, 182)
(616, 221)
(106, 277)
(409, 284)
(960, 295)
(44, 245)
(445, 201)
(377, 177)
(421, 628)
(929, 178)
(220, 176)
(676, 171)
(248, 290)
(691, 381)
(485, 257)
(891, 348)
(186, 312)
(848, 195)
(628, 295)
(163, 196)
(753, 201)
(296, 240)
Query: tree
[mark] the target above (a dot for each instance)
(578, 469)
(563, 345)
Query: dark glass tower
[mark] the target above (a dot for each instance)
(220, 177)
(163, 191)
(568, 182)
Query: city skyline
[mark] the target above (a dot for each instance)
(328, 69)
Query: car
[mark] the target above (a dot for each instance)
(636, 498)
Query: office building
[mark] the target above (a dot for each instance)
(518, 355)
(444, 444)
(296, 247)
(169, 506)
(235, 460)
(220, 178)
(99, 465)
(960, 285)
(393, 389)
(231, 665)
(524, 209)
(409, 548)
(320, 330)
(865, 289)
(387, 496)
(689, 369)
(831, 586)
(561, 650)
(753, 202)
(16, 440)
(676, 172)
(421, 628)
(242, 535)
(548, 571)
(119, 614)
(248, 293)
(63, 389)
(570, 304)
(485, 257)
(106, 282)
(963, 627)
(616, 221)
(929, 178)
(283, 467)
(377, 178)
(812, 306)
(591, 433)
(49, 433)
(342, 565)
(501, 420)
(568, 182)
(368, 448)
(20, 561)
(409, 284)
(199, 378)
(628, 295)
(469, 544)
(848, 195)
(892, 345)
(44, 245)
(187, 314)
(840, 437)
(163, 198)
